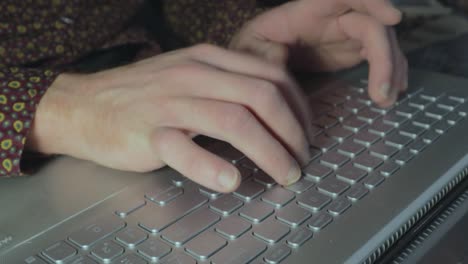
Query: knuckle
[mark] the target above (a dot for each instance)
(267, 96)
(236, 118)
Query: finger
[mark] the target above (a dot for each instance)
(251, 66)
(401, 62)
(382, 10)
(262, 97)
(236, 125)
(378, 49)
(397, 81)
(177, 150)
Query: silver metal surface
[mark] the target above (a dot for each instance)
(64, 211)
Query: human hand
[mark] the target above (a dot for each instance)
(142, 116)
(316, 35)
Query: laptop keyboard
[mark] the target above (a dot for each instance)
(357, 147)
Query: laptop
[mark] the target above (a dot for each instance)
(375, 173)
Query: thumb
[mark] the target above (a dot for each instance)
(273, 52)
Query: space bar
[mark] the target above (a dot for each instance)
(155, 218)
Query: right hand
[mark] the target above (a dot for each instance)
(142, 116)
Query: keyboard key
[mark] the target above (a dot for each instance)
(271, 231)
(278, 197)
(333, 159)
(389, 168)
(34, 260)
(243, 250)
(458, 97)
(368, 115)
(382, 150)
(430, 136)
(325, 122)
(129, 206)
(406, 110)
(436, 112)
(164, 197)
(313, 200)
(226, 204)
(350, 174)
(231, 154)
(59, 252)
(298, 237)
(80, 259)
(277, 254)
(403, 157)
(210, 193)
(339, 206)
(293, 215)
(332, 99)
(106, 251)
(205, 245)
(256, 211)
(447, 103)
(232, 227)
(332, 186)
(249, 190)
(96, 230)
(339, 113)
(374, 180)
(156, 218)
(354, 124)
(424, 121)
(367, 162)
(357, 192)
(319, 221)
(397, 140)
(419, 103)
(431, 95)
(350, 148)
(176, 178)
(394, 120)
(190, 226)
(300, 186)
(339, 133)
(129, 259)
(353, 106)
(453, 118)
(153, 249)
(131, 236)
(324, 143)
(177, 258)
(417, 146)
(264, 179)
(441, 127)
(366, 138)
(316, 171)
(411, 130)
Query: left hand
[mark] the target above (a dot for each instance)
(317, 35)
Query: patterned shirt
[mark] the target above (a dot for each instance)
(39, 39)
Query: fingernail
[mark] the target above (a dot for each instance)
(228, 179)
(294, 174)
(385, 90)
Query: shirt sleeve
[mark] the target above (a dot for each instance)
(209, 21)
(20, 91)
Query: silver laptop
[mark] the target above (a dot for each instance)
(374, 173)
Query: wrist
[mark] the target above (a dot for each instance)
(52, 128)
